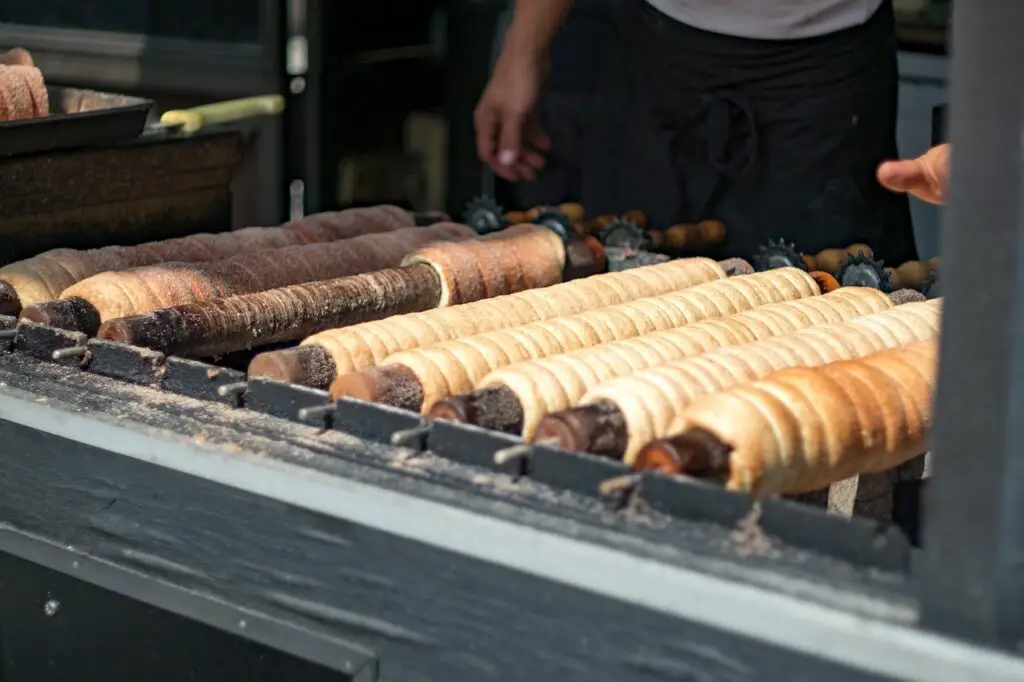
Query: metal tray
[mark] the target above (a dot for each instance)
(78, 118)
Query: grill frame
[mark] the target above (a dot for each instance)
(856, 541)
(424, 567)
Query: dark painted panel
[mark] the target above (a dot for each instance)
(54, 627)
(216, 20)
(428, 614)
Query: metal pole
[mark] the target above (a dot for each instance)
(304, 64)
(973, 576)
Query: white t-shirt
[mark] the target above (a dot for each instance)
(770, 19)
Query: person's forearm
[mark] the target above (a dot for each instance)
(534, 25)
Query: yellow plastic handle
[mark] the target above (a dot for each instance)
(193, 120)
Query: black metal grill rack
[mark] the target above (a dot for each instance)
(856, 541)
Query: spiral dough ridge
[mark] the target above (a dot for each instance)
(802, 429)
(139, 290)
(46, 276)
(559, 382)
(449, 368)
(653, 401)
(364, 345)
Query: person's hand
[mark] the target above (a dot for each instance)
(508, 137)
(18, 56)
(925, 177)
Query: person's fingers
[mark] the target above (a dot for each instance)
(912, 177)
(935, 164)
(902, 176)
(536, 137)
(524, 171)
(500, 137)
(533, 159)
(485, 119)
(924, 177)
(537, 142)
(510, 137)
(519, 170)
(534, 142)
(507, 166)
(488, 122)
(18, 56)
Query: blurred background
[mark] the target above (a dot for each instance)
(380, 94)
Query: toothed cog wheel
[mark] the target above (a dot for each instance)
(622, 234)
(484, 215)
(778, 254)
(862, 271)
(557, 222)
(932, 287)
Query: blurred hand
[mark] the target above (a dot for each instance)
(19, 56)
(508, 137)
(925, 177)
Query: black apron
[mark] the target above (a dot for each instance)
(778, 139)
